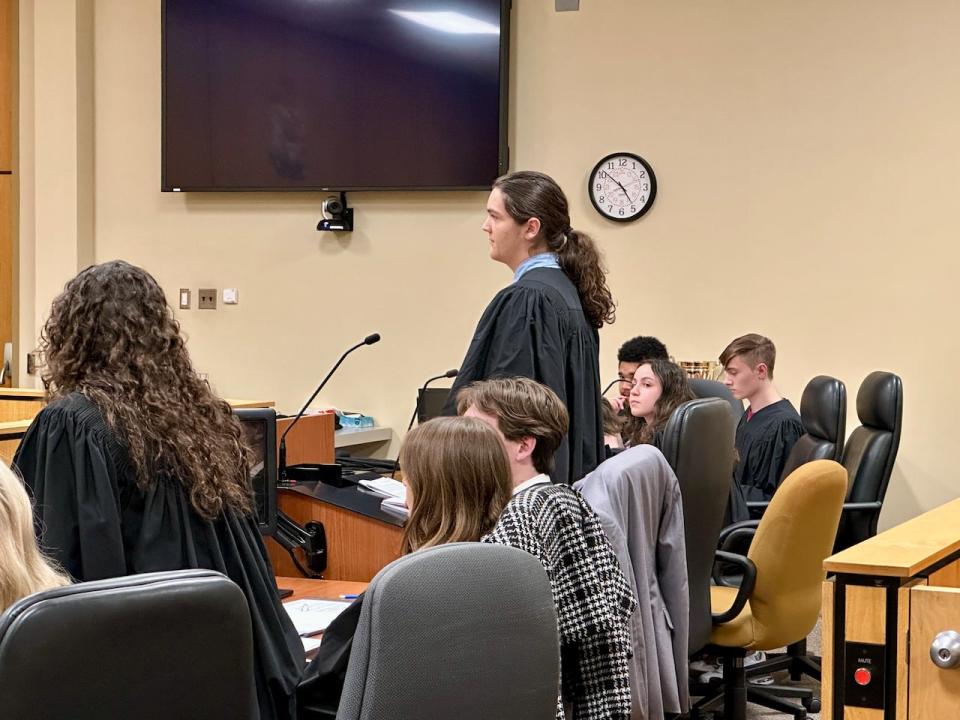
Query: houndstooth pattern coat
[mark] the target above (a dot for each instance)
(594, 602)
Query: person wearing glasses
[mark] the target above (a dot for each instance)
(618, 422)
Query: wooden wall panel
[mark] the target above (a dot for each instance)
(866, 614)
(6, 85)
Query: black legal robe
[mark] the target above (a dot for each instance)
(764, 442)
(97, 523)
(536, 328)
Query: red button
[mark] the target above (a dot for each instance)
(862, 676)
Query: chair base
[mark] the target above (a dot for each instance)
(731, 697)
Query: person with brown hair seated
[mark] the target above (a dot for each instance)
(136, 466)
(555, 524)
(458, 482)
(770, 427)
(658, 388)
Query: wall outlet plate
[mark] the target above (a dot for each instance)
(207, 298)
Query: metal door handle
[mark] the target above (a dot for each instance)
(945, 650)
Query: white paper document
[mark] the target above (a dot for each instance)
(313, 616)
(395, 506)
(387, 487)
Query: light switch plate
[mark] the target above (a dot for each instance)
(563, 5)
(184, 298)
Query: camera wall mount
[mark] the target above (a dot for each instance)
(337, 216)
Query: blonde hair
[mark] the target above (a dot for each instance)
(459, 481)
(23, 569)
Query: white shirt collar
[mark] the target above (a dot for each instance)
(540, 479)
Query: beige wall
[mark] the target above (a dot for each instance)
(807, 158)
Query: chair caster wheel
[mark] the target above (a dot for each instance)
(811, 704)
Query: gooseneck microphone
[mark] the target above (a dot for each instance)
(452, 373)
(416, 410)
(368, 340)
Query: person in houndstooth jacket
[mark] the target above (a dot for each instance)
(555, 524)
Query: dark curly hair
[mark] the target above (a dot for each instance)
(527, 195)
(676, 391)
(112, 337)
(642, 348)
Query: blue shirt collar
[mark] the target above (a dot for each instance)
(540, 260)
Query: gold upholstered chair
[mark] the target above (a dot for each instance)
(778, 601)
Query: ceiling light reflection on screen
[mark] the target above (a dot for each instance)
(449, 22)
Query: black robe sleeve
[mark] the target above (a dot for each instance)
(322, 683)
(66, 468)
(520, 334)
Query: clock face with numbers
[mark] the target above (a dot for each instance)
(622, 187)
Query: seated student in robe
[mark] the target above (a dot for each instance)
(658, 388)
(631, 355)
(458, 482)
(556, 525)
(770, 427)
(136, 466)
(23, 568)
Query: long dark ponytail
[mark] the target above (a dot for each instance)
(528, 194)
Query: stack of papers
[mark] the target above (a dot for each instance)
(395, 506)
(386, 487)
(313, 616)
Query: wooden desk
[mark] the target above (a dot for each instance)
(323, 589)
(891, 595)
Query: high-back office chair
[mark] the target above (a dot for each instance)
(697, 442)
(154, 646)
(869, 455)
(704, 388)
(637, 498)
(823, 411)
(465, 631)
(778, 601)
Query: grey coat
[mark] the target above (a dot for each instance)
(637, 498)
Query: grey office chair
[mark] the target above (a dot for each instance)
(698, 444)
(153, 647)
(465, 631)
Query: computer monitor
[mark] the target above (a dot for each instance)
(431, 403)
(260, 432)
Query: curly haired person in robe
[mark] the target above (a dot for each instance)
(136, 466)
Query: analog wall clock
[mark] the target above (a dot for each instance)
(622, 187)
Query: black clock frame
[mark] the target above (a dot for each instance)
(652, 194)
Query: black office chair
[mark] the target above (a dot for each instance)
(823, 411)
(697, 442)
(152, 646)
(465, 631)
(869, 455)
(704, 388)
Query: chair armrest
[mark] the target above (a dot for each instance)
(737, 541)
(862, 506)
(730, 529)
(746, 586)
(757, 504)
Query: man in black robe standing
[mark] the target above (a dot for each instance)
(544, 325)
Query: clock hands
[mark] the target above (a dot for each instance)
(619, 185)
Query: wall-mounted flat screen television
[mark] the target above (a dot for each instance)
(334, 94)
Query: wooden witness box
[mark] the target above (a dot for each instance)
(358, 545)
(890, 598)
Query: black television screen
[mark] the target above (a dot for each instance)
(334, 95)
(260, 431)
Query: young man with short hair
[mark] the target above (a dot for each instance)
(771, 425)
(556, 525)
